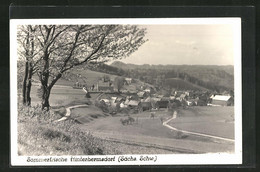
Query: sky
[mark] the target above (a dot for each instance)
(186, 44)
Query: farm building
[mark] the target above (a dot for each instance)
(222, 100)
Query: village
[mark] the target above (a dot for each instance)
(145, 97)
(84, 95)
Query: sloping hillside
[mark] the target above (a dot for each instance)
(180, 84)
(212, 77)
(83, 76)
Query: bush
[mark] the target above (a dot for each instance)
(102, 105)
(127, 121)
(36, 112)
(124, 110)
(53, 134)
(180, 135)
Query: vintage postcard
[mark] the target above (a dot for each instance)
(157, 91)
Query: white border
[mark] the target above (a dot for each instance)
(172, 159)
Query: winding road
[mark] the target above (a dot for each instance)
(188, 146)
(68, 112)
(193, 133)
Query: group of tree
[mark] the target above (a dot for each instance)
(104, 68)
(51, 50)
(215, 80)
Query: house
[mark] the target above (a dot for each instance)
(178, 93)
(120, 99)
(222, 100)
(142, 94)
(187, 93)
(133, 104)
(128, 80)
(160, 96)
(191, 102)
(165, 99)
(183, 97)
(104, 87)
(148, 99)
(172, 97)
(148, 90)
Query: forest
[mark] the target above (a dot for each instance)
(212, 77)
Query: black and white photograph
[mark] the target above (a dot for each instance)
(157, 91)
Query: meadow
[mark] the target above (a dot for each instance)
(217, 121)
(92, 131)
(148, 131)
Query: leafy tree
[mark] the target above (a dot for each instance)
(64, 47)
(119, 83)
(106, 78)
(29, 54)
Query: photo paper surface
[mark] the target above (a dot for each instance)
(157, 91)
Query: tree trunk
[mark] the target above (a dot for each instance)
(44, 78)
(29, 85)
(45, 98)
(25, 79)
(46, 90)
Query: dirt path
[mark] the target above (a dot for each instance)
(68, 112)
(172, 144)
(193, 133)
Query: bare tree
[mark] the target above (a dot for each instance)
(29, 54)
(64, 47)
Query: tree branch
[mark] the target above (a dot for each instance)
(73, 48)
(94, 52)
(61, 31)
(42, 32)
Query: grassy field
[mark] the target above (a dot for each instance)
(89, 77)
(60, 96)
(143, 124)
(39, 135)
(217, 121)
(145, 130)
